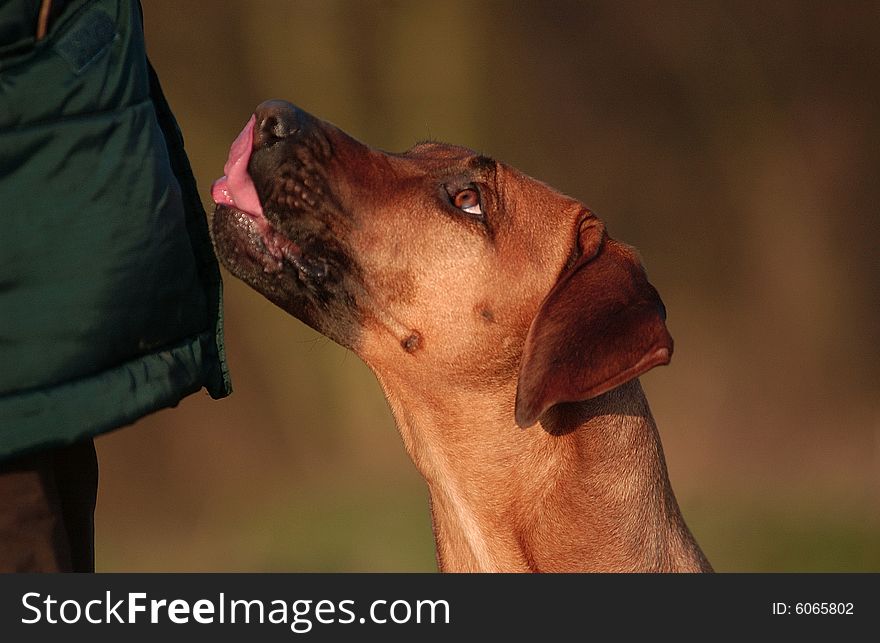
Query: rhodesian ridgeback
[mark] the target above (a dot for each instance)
(507, 330)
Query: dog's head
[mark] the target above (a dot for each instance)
(436, 263)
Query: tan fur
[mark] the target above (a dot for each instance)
(586, 490)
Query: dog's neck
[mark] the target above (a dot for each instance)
(587, 490)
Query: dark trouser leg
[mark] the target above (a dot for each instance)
(76, 477)
(47, 504)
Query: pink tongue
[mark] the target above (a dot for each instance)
(236, 188)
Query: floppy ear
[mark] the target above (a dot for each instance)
(601, 325)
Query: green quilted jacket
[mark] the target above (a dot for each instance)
(110, 294)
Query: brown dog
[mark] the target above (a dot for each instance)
(482, 299)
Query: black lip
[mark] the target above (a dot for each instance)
(260, 243)
(316, 284)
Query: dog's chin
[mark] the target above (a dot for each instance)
(308, 285)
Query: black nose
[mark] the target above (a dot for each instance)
(275, 121)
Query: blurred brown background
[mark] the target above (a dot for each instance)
(736, 144)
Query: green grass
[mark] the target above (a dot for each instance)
(378, 530)
(739, 537)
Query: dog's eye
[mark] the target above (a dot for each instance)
(468, 200)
